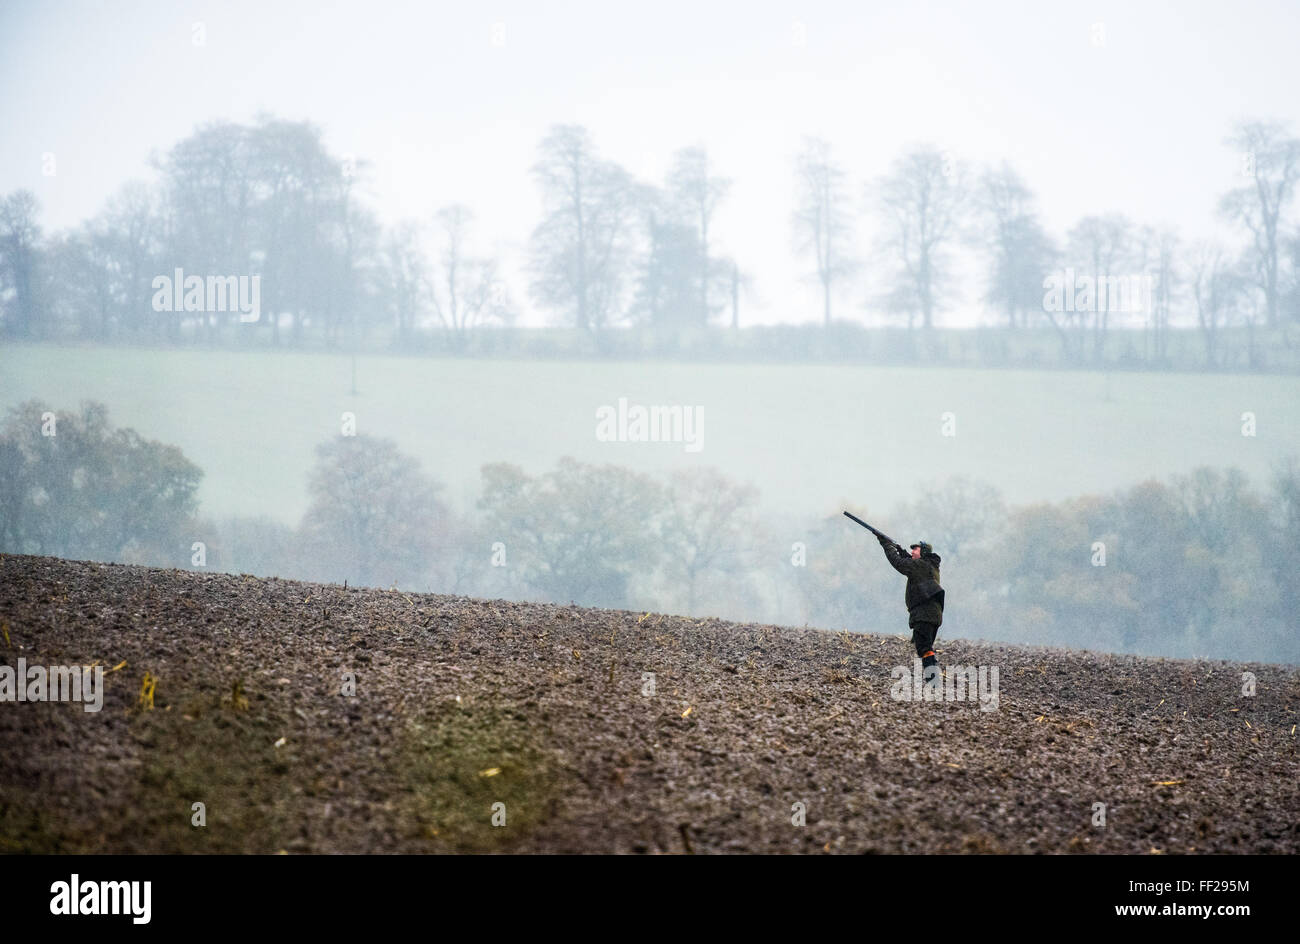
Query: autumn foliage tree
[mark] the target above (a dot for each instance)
(580, 532)
(73, 486)
(375, 518)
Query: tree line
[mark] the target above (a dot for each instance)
(1200, 565)
(612, 253)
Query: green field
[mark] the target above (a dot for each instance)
(810, 437)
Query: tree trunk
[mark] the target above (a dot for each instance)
(735, 297)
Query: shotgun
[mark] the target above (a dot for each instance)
(879, 534)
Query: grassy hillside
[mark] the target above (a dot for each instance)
(808, 436)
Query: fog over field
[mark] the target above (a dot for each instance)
(810, 437)
(1102, 107)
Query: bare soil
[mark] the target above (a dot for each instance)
(461, 704)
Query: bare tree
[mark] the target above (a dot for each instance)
(696, 194)
(707, 528)
(666, 294)
(351, 259)
(1100, 246)
(957, 515)
(131, 228)
(20, 236)
(465, 290)
(1156, 253)
(375, 515)
(211, 180)
(1216, 289)
(822, 223)
(1021, 252)
(738, 282)
(581, 248)
(269, 199)
(285, 207)
(1290, 297)
(82, 265)
(1220, 506)
(923, 197)
(1271, 161)
(405, 275)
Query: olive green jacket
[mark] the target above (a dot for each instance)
(924, 595)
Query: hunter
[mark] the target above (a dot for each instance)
(924, 595)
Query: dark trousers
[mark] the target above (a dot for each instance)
(923, 636)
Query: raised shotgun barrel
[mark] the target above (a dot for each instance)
(879, 534)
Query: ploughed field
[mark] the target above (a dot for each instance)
(588, 730)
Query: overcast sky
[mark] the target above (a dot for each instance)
(449, 100)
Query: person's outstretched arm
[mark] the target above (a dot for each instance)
(898, 558)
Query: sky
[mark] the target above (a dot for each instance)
(1102, 107)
